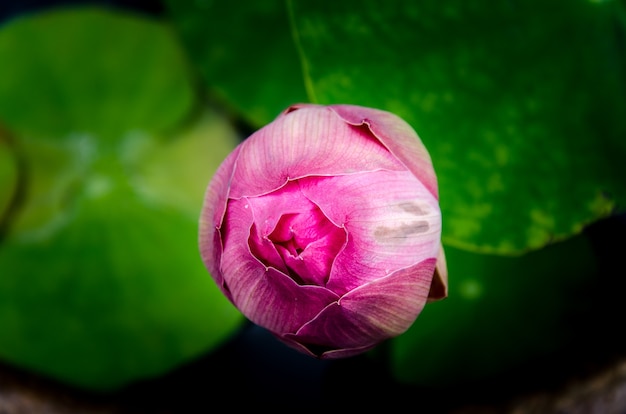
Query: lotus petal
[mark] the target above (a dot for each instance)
(309, 141)
(385, 233)
(371, 313)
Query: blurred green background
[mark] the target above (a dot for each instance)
(114, 116)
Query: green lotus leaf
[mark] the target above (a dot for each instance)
(91, 69)
(101, 281)
(521, 104)
(244, 53)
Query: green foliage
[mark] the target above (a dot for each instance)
(101, 281)
(244, 53)
(8, 177)
(521, 104)
(105, 153)
(91, 70)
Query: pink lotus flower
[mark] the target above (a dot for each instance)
(324, 227)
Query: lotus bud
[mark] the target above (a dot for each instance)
(324, 228)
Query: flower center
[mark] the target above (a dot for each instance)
(285, 237)
(303, 245)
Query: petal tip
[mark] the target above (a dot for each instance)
(439, 284)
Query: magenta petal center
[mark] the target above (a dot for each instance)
(303, 244)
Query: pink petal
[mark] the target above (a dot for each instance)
(319, 239)
(397, 136)
(314, 264)
(213, 209)
(370, 314)
(392, 221)
(271, 299)
(311, 140)
(266, 212)
(265, 251)
(263, 294)
(269, 208)
(291, 341)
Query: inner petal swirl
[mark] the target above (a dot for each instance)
(299, 240)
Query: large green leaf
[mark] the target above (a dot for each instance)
(91, 70)
(101, 281)
(244, 52)
(502, 313)
(521, 104)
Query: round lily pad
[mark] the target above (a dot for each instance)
(91, 70)
(101, 281)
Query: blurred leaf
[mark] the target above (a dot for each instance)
(175, 173)
(521, 104)
(502, 312)
(101, 281)
(8, 176)
(244, 52)
(91, 70)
